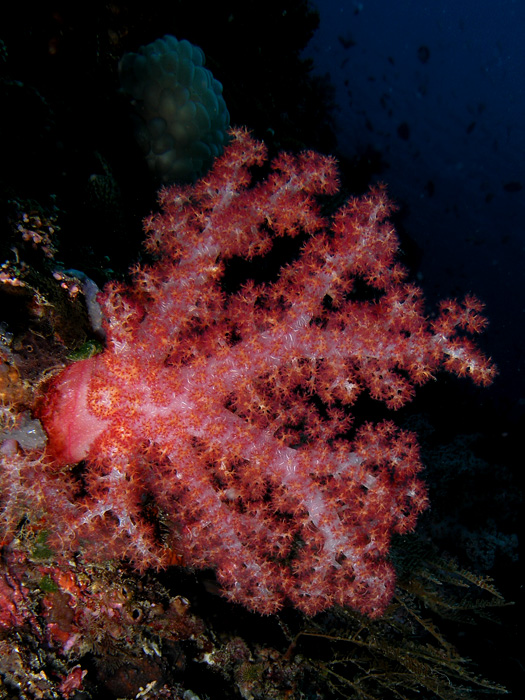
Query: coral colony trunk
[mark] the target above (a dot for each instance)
(215, 426)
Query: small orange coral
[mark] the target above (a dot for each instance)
(12, 389)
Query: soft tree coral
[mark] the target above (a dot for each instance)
(216, 428)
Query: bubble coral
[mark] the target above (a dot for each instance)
(179, 108)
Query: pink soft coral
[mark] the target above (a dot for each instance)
(214, 426)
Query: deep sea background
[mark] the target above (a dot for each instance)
(437, 90)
